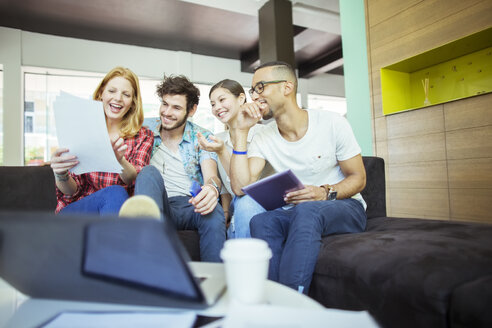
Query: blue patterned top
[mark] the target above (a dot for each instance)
(189, 148)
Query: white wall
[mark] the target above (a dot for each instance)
(20, 48)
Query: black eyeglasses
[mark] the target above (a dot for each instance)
(260, 86)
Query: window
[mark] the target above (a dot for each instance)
(335, 104)
(42, 86)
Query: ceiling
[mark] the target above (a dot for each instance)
(221, 28)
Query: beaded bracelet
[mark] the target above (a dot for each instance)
(62, 177)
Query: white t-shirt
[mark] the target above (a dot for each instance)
(314, 158)
(225, 136)
(171, 166)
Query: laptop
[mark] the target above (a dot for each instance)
(109, 260)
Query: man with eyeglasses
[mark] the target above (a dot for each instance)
(320, 148)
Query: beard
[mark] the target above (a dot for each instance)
(175, 125)
(268, 114)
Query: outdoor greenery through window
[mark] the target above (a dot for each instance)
(42, 86)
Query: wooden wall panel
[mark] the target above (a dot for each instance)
(381, 10)
(468, 113)
(421, 203)
(438, 159)
(421, 16)
(419, 175)
(429, 147)
(471, 205)
(470, 173)
(382, 151)
(416, 122)
(376, 90)
(380, 128)
(442, 31)
(469, 143)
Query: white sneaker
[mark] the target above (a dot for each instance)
(140, 206)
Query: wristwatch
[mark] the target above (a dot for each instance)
(331, 192)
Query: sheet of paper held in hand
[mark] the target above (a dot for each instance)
(81, 127)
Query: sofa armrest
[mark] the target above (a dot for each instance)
(27, 188)
(375, 191)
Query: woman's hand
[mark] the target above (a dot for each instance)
(119, 148)
(249, 114)
(215, 145)
(62, 162)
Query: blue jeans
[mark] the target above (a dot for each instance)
(294, 235)
(244, 208)
(211, 227)
(106, 201)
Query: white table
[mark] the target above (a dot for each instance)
(19, 311)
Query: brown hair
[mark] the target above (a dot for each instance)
(233, 86)
(179, 85)
(133, 119)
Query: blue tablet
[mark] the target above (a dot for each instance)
(270, 191)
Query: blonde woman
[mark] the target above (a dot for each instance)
(103, 192)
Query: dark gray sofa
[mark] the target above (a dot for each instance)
(32, 188)
(405, 272)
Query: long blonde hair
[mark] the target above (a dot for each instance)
(133, 119)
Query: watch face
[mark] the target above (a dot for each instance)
(332, 195)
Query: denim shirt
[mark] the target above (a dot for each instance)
(189, 148)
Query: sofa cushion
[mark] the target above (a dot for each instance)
(27, 188)
(471, 304)
(402, 270)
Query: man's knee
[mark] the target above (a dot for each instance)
(216, 218)
(148, 170)
(257, 225)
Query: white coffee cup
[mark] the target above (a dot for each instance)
(246, 265)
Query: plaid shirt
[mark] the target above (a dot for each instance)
(138, 154)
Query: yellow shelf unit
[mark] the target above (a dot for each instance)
(460, 69)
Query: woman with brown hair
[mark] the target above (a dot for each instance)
(226, 99)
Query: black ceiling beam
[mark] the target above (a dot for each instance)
(307, 69)
(250, 58)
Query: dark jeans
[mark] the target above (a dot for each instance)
(294, 235)
(106, 201)
(211, 227)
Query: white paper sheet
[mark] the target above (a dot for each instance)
(271, 316)
(122, 320)
(81, 127)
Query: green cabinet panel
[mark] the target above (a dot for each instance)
(460, 69)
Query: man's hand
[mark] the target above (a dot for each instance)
(309, 193)
(214, 145)
(206, 201)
